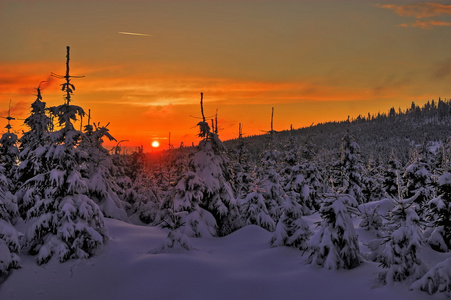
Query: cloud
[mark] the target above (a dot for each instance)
(443, 71)
(426, 24)
(419, 10)
(392, 83)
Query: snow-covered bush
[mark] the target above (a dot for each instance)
(371, 219)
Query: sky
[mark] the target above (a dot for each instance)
(313, 61)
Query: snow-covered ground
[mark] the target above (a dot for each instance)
(239, 266)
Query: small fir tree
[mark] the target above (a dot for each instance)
(351, 168)
(298, 189)
(335, 245)
(398, 251)
(253, 209)
(211, 165)
(9, 237)
(196, 221)
(102, 186)
(440, 212)
(9, 153)
(371, 219)
(418, 179)
(291, 229)
(35, 138)
(373, 182)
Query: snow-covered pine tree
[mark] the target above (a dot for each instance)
(176, 240)
(9, 242)
(9, 237)
(313, 185)
(398, 251)
(392, 180)
(253, 208)
(9, 153)
(189, 194)
(270, 182)
(291, 229)
(440, 212)
(371, 219)
(298, 189)
(102, 186)
(269, 177)
(64, 221)
(351, 168)
(291, 157)
(242, 177)
(436, 280)
(372, 182)
(335, 245)
(37, 136)
(178, 167)
(211, 165)
(418, 179)
(312, 177)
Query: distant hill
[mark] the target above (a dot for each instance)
(378, 135)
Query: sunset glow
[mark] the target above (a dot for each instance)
(313, 61)
(155, 144)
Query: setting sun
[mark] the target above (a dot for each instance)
(155, 144)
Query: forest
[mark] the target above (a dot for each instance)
(63, 184)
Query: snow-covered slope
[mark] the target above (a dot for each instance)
(239, 266)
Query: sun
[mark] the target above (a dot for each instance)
(155, 144)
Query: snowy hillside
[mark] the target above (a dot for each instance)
(241, 265)
(294, 219)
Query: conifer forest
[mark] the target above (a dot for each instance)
(370, 193)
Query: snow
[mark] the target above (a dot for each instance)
(241, 265)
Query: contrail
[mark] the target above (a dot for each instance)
(133, 33)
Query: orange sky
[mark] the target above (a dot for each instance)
(313, 61)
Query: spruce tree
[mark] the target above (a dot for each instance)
(398, 251)
(36, 137)
(102, 185)
(351, 168)
(313, 178)
(9, 153)
(189, 194)
(271, 182)
(392, 180)
(440, 213)
(291, 229)
(242, 178)
(372, 180)
(335, 245)
(65, 221)
(253, 209)
(211, 165)
(205, 189)
(9, 237)
(418, 180)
